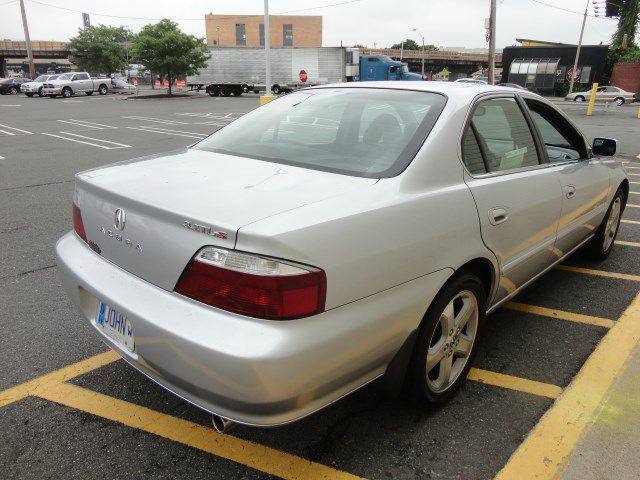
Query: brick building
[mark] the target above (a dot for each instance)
(248, 30)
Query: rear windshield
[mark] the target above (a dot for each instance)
(355, 131)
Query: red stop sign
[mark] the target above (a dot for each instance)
(303, 76)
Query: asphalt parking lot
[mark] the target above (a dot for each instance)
(70, 410)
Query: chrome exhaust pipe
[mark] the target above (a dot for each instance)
(221, 424)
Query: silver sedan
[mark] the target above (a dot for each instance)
(604, 94)
(332, 237)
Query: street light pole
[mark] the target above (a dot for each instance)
(32, 68)
(492, 44)
(267, 46)
(575, 63)
(420, 33)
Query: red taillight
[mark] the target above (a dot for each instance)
(240, 286)
(77, 223)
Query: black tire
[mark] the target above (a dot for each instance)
(619, 101)
(88, 93)
(40, 94)
(213, 91)
(225, 91)
(418, 379)
(276, 90)
(52, 96)
(600, 246)
(67, 92)
(102, 89)
(237, 91)
(579, 98)
(29, 95)
(13, 91)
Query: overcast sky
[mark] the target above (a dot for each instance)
(383, 22)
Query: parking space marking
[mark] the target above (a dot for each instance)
(634, 183)
(259, 457)
(119, 145)
(64, 374)
(83, 123)
(633, 205)
(72, 101)
(14, 128)
(600, 273)
(628, 244)
(560, 314)
(156, 120)
(634, 222)
(547, 449)
(514, 383)
(169, 132)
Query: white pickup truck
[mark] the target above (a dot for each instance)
(69, 84)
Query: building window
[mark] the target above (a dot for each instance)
(287, 35)
(585, 75)
(241, 36)
(262, 34)
(534, 72)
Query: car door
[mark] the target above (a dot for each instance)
(517, 195)
(584, 178)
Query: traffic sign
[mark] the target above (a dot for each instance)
(570, 74)
(303, 76)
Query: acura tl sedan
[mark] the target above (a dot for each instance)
(332, 237)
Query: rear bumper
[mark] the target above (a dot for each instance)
(252, 371)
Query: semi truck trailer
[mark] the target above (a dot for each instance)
(236, 70)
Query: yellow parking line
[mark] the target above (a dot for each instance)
(259, 457)
(633, 205)
(634, 193)
(635, 222)
(32, 387)
(572, 317)
(634, 174)
(628, 244)
(547, 449)
(600, 273)
(514, 383)
(634, 183)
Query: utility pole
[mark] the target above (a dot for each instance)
(492, 43)
(575, 63)
(32, 68)
(420, 33)
(267, 47)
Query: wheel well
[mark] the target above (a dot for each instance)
(483, 269)
(625, 188)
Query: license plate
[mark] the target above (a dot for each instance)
(115, 326)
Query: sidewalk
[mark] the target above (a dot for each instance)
(610, 448)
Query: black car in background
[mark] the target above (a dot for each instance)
(12, 85)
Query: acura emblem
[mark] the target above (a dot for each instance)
(119, 220)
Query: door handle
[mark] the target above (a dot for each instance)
(498, 215)
(569, 191)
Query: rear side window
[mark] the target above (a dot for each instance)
(354, 131)
(502, 135)
(471, 153)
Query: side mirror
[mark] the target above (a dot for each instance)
(604, 147)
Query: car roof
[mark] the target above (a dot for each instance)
(459, 90)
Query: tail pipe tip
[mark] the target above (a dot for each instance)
(221, 424)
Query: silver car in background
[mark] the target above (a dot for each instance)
(334, 236)
(604, 94)
(35, 87)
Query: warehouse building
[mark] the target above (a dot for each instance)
(248, 30)
(547, 68)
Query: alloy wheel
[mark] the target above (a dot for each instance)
(611, 227)
(452, 341)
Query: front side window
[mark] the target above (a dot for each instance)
(503, 135)
(354, 131)
(41, 78)
(562, 141)
(287, 35)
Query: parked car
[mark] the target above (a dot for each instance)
(119, 85)
(604, 94)
(512, 85)
(334, 236)
(69, 84)
(470, 80)
(35, 87)
(12, 85)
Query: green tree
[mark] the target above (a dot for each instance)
(101, 49)
(627, 24)
(167, 51)
(412, 45)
